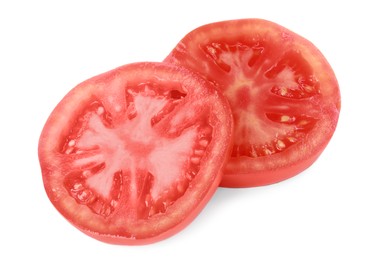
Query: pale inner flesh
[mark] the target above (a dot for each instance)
(157, 168)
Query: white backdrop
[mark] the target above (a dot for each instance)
(327, 212)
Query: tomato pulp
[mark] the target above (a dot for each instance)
(132, 156)
(283, 94)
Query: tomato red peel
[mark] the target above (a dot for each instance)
(133, 155)
(283, 93)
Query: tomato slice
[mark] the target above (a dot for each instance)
(283, 93)
(132, 156)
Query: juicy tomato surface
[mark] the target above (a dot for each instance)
(131, 156)
(283, 94)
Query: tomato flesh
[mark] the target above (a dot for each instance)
(133, 155)
(284, 95)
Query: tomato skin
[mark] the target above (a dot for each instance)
(260, 64)
(124, 223)
(267, 177)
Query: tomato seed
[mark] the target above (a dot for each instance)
(280, 145)
(69, 150)
(164, 206)
(152, 212)
(285, 118)
(291, 139)
(86, 173)
(195, 160)
(283, 91)
(308, 88)
(190, 175)
(100, 110)
(203, 142)
(113, 203)
(267, 151)
(303, 122)
(84, 195)
(77, 186)
(199, 152)
(105, 211)
(253, 152)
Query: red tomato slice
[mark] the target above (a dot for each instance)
(283, 93)
(132, 156)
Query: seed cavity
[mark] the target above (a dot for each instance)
(131, 111)
(75, 184)
(231, 56)
(152, 204)
(279, 144)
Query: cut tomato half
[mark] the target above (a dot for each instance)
(283, 93)
(132, 156)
